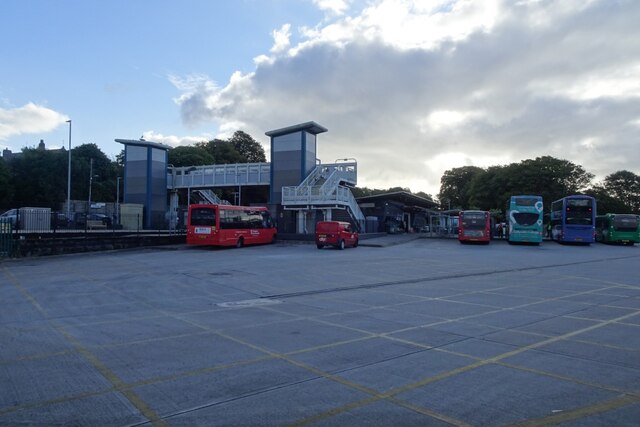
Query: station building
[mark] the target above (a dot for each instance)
(301, 189)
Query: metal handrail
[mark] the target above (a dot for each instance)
(219, 175)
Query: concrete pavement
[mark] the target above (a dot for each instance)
(428, 332)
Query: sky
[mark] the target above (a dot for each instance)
(408, 88)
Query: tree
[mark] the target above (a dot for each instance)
(6, 187)
(553, 178)
(424, 195)
(39, 177)
(624, 186)
(120, 159)
(240, 148)
(487, 189)
(222, 151)
(190, 156)
(105, 173)
(248, 147)
(606, 203)
(454, 186)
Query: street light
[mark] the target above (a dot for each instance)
(90, 184)
(118, 199)
(69, 176)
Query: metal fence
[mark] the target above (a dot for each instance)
(40, 231)
(35, 220)
(6, 238)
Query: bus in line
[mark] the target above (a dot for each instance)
(227, 225)
(524, 219)
(474, 226)
(618, 228)
(573, 219)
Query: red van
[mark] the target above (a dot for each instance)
(335, 233)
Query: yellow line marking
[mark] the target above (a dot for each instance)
(408, 387)
(117, 383)
(389, 395)
(605, 406)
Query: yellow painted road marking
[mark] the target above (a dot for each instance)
(408, 387)
(576, 414)
(110, 376)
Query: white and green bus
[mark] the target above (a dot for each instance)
(618, 228)
(524, 219)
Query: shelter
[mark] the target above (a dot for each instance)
(396, 212)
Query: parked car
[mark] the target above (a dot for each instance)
(59, 220)
(335, 233)
(80, 219)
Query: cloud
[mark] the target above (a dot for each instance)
(335, 7)
(28, 119)
(403, 84)
(175, 141)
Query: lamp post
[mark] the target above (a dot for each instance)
(118, 199)
(173, 200)
(90, 184)
(69, 176)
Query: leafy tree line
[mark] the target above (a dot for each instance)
(240, 148)
(472, 187)
(38, 177)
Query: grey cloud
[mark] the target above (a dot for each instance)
(373, 97)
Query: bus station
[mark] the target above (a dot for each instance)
(301, 190)
(404, 330)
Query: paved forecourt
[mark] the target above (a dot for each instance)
(428, 332)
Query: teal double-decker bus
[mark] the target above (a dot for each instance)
(618, 228)
(524, 219)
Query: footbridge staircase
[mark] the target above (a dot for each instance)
(327, 187)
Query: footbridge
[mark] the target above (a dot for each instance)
(209, 176)
(327, 187)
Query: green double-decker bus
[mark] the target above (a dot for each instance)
(618, 228)
(524, 219)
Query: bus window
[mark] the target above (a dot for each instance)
(203, 216)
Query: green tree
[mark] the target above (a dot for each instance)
(6, 186)
(625, 187)
(120, 159)
(606, 203)
(554, 178)
(190, 156)
(248, 147)
(487, 189)
(455, 186)
(424, 195)
(39, 177)
(222, 151)
(105, 173)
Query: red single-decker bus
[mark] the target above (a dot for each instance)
(226, 225)
(474, 226)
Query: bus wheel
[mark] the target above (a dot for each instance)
(320, 246)
(341, 244)
(240, 242)
(355, 244)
